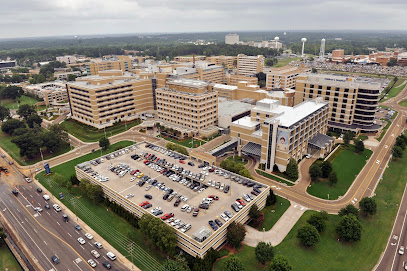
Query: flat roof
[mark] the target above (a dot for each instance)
(188, 82)
(224, 86)
(246, 121)
(232, 108)
(290, 115)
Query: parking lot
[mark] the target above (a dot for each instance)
(182, 175)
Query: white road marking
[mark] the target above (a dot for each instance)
(69, 234)
(128, 188)
(18, 210)
(104, 258)
(77, 265)
(45, 243)
(58, 223)
(31, 196)
(34, 230)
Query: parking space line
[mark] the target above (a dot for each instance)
(128, 188)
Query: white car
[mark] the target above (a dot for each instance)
(224, 217)
(89, 236)
(401, 250)
(38, 209)
(81, 241)
(308, 156)
(92, 263)
(184, 208)
(28, 180)
(95, 254)
(46, 197)
(129, 195)
(155, 209)
(148, 187)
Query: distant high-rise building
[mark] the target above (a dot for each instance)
(232, 39)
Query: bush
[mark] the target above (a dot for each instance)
(264, 252)
(178, 148)
(279, 263)
(236, 233)
(332, 178)
(326, 168)
(349, 209)
(315, 172)
(349, 228)
(360, 146)
(368, 206)
(292, 169)
(271, 198)
(318, 221)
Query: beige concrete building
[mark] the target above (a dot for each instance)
(284, 77)
(122, 63)
(188, 58)
(338, 55)
(249, 65)
(352, 101)
(189, 106)
(229, 62)
(232, 39)
(100, 101)
(274, 134)
(212, 73)
(233, 79)
(52, 92)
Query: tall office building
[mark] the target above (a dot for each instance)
(100, 101)
(123, 64)
(249, 65)
(229, 62)
(188, 106)
(232, 39)
(352, 101)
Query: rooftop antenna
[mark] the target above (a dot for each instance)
(322, 50)
(303, 40)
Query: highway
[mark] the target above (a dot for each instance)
(45, 233)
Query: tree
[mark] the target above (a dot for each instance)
(235, 234)
(292, 169)
(68, 185)
(83, 184)
(314, 70)
(95, 193)
(392, 62)
(233, 263)
(400, 142)
(347, 137)
(326, 168)
(264, 252)
(349, 209)
(4, 113)
(58, 178)
(318, 221)
(104, 143)
(268, 62)
(315, 172)
(25, 111)
(360, 146)
(279, 263)
(34, 119)
(71, 77)
(3, 236)
(332, 178)
(10, 125)
(254, 212)
(397, 152)
(12, 92)
(180, 264)
(59, 130)
(28, 143)
(271, 198)
(51, 141)
(349, 228)
(368, 206)
(308, 235)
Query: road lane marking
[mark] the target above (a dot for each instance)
(58, 223)
(69, 234)
(45, 243)
(398, 240)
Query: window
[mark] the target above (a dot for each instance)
(328, 88)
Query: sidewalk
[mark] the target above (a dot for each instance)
(279, 231)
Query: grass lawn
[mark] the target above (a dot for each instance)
(346, 165)
(7, 260)
(110, 226)
(362, 137)
(403, 103)
(87, 133)
(332, 255)
(273, 213)
(237, 160)
(11, 104)
(186, 143)
(285, 61)
(398, 86)
(273, 177)
(14, 151)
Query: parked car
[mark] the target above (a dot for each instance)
(81, 241)
(78, 228)
(213, 225)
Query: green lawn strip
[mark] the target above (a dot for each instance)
(14, 151)
(283, 175)
(362, 74)
(403, 103)
(347, 166)
(362, 137)
(7, 260)
(329, 254)
(395, 90)
(186, 143)
(14, 104)
(384, 130)
(87, 133)
(273, 177)
(237, 160)
(273, 213)
(120, 225)
(285, 61)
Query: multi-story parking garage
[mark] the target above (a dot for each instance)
(176, 185)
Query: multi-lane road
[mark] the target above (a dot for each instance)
(45, 233)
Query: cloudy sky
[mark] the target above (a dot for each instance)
(27, 18)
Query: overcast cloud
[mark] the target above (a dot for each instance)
(27, 18)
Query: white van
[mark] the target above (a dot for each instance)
(111, 256)
(46, 197)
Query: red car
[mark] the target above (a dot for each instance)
(241, 202)
(213, 197)
(166, 216)
(144, 203)
(211, 170)
(182, 161)
(145, 161)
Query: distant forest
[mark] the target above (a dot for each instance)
(30, 50)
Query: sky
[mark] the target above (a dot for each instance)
(33, 18)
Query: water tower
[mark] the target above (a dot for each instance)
(322, 50)
(276, 39)
(303, 40)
